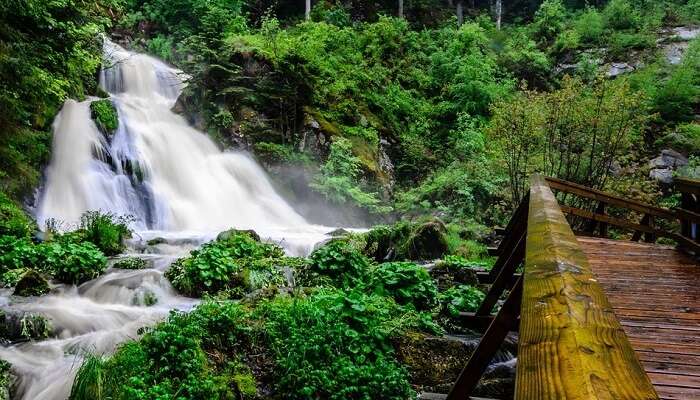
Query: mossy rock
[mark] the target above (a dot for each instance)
(5, 380)
(18, 326)
(407, 241)
(225, 235)
(105, 116)
(131, 263)
(31, 284)
(156, 241)
(447, 275)
(432, 360)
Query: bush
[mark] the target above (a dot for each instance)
(549, 19)
(407, 283)
(223, 264)
(17, 253)
(590, 26)
(14, 221)
(71, 262)
(341, 346)
(684, 138)
(620, 15)
(461, 298)
(105, 230)
(105, 116)
(339, 261)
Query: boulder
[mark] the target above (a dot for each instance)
(130, 263)
(338, 232)
(428, 241)
(661, 175)
(668, 159)
(231, 232)
(446, 275)
(156, 241)
(31, 284)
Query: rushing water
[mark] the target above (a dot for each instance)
(177, 185)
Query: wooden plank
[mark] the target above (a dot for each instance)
(595, 194)
(571, 344)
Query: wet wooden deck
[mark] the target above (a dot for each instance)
(655, 292)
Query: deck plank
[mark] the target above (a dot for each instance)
(655, 293)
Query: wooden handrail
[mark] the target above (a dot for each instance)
(687, 185)
(594, 194)
(571, 344)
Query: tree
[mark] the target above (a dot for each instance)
(400, 8)
(307, 10)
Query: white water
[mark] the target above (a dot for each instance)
(187, 191)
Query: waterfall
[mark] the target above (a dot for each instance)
(176, 184)
(166, 174)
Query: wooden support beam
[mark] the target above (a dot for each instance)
(488, 346)
(500, 284)
(485, 278)
(571, 344)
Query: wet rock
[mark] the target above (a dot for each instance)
(17, 326)
(428, 242)
(31, 284)
(407, 241)
(616, 69)
(447, 275)
(498, 381)
(435, 362)
(130, 263)
(156, 241)
(231, 232)
(6, 380)
(338, 232)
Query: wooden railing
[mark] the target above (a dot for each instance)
(571, 345)
(649, 226)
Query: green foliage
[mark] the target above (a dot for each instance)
(461, 298)
(14, 221)
(34, 326)
(49, 51)
(71, 262)
(279, 153)
(130, 263)
(105, 116)
(549, 19)
(229, 263)
(341, 342)
(407, 283)
(105, 230)
(620, 15)
(338, 179)
(339, 261)
(590, 26)
(405, 240)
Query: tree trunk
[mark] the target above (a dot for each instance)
(400, 8)
(460, 12)
(499, 14)
(307, 10)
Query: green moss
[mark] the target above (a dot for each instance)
(105, 116)
(14, 221)
(31, 284)
(407, 241)
(130, 263)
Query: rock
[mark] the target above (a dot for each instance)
(669, 159)
(338, 232)
(446, 275)
(428, 241)
(615, 69)
(231, 232)
(662, 175)
(498, 381)
(434, 361)
(130, 263)
(6, 380)
(18, 325)
(31, 284)
(156, 241)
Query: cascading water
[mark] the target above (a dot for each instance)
(176, 184)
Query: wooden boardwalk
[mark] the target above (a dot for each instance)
(655, 293)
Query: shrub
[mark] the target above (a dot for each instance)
(461, 298)
(341, 346)
(590, 26)
(684, 138)
(105, 116)
(71, 262)
(223, 264)
(549, 19)
(339, 261)
(105, 230)
(406, 282)
(14, 221)
(620, 15)
(17, 253)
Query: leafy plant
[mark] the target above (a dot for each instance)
(105, 230)
(339, 261)
(13, 221)
(222, 264)
(461, 298)
(105, 116)
(407, 283)
(71, 262)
